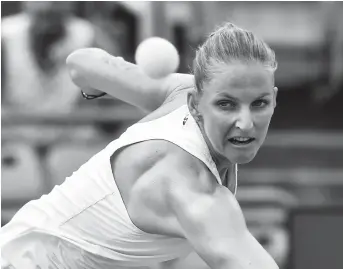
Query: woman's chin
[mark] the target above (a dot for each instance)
(243, 158)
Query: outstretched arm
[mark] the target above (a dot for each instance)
(95, 71)
(214, 225)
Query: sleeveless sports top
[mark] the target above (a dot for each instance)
(83, 223)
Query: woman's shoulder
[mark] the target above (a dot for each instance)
(188, 172)
(169, 166)
(177, 82)
(174, 102)
(176, 173)
(176, 86)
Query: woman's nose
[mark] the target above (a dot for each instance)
(244, 120)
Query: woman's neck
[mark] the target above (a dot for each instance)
(221, 162)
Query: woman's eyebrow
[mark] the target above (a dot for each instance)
(224, 94)
(263, 95)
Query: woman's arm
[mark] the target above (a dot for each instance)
(95, 71)
(214, 224)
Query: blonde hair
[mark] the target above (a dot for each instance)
(228, 44)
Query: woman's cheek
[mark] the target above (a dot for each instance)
(264, 117)
(216, 128)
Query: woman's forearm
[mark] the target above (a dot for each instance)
(95, 71)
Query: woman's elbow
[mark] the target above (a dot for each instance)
(79, 63)
(74, 63)
(85, 57)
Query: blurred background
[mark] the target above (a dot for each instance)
(291, 193)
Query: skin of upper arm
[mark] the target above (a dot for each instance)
(214, 225)
(95, 68)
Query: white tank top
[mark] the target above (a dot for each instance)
(84, 223)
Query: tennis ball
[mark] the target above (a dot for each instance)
(157, 57)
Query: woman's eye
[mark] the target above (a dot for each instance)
(226, 104)
(260, 103)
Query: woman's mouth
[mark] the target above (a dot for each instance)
(241, 141)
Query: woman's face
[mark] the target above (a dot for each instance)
(235, 110)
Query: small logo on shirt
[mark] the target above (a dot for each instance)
(185, 120)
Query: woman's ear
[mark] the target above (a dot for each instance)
(193, 102)
(275, 91)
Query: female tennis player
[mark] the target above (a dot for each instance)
(166, 186)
